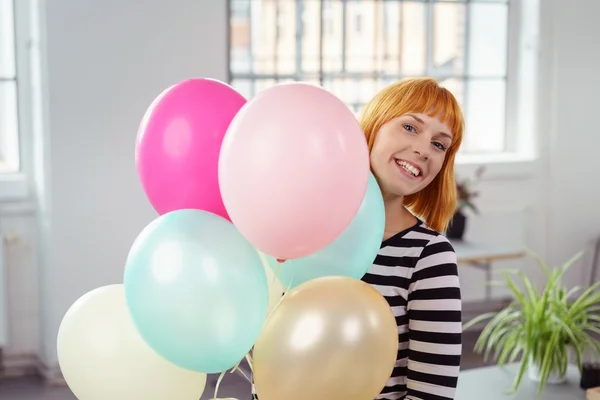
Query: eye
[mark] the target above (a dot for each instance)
(409, 128)
(440, 146)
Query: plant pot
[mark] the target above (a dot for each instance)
(456, 228)
(555, 378)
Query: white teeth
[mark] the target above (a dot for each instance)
(408, 167)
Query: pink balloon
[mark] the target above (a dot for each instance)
(178, 145)
(293, 169)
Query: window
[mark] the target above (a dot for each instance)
(17, 45)
(9, 122)
(354, 48)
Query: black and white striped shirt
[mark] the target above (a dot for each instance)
(416, 271)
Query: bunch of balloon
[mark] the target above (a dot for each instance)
(295, 179)
(252, 197)
(194, 295)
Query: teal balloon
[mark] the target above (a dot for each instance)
(350, 254)
(197, 290)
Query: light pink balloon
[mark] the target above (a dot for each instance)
(178, 145)
(293, 169)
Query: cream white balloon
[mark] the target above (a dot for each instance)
(102, 356)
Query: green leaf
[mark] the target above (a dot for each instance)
(477, 320)
(518, 350)
(521, 372)
(539, 261)
(533, 295)
(510, 344)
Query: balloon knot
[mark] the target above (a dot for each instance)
(281, 260)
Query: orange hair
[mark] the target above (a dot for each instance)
(436, 203)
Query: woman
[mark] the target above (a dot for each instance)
(414, 129)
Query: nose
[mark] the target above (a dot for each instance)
(424, 156)
(421, 148)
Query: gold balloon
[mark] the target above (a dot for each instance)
(330, 338)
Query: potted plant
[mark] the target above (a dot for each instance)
(466, 193)
(544, 329)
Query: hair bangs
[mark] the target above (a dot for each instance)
(426, 96)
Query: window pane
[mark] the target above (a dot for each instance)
(391, 35)
(355, 93)
(273, 28)
(262, 84)
(457, 87)
(471, 1)
(9, 128)
(251, 87)
(448, 39)
(413, 25)
(488, 38)
(383, 83)
(240, 9)
(240, 37)
(340, 87)
(362, 44)
(401, 37)
(333, 42)
(311, 35)
(367, 88)
(7, 39)
(244, 86)
(485, 116)
(285, 54)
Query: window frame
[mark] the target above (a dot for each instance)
(15, 186)
(519, 157)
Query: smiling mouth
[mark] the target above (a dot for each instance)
(410, 169)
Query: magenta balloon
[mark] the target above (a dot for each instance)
(293, 169)
(178, 145)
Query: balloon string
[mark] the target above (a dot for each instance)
(281, 299)
(237, 368)
(248, 356)
(241, 372)
(249, 360)
(277, 271)
(219, 384)
(266, 265)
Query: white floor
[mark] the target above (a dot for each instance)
(233, 385)
(33, 389)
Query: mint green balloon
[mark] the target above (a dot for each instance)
(350, 254)
(197, 290)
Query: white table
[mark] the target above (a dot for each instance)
(494, 383)
(483, 255)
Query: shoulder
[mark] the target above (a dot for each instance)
(433, 241)
(437, 254)
(417, 244)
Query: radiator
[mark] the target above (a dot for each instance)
(3, 295)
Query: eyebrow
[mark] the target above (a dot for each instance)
(447, 135)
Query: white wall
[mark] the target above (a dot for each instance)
(573, 139)
(107, 60)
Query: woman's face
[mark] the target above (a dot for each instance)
(409, 152)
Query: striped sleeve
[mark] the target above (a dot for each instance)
(434, 324)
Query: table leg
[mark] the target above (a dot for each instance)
(488, 278)
(487, 267)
